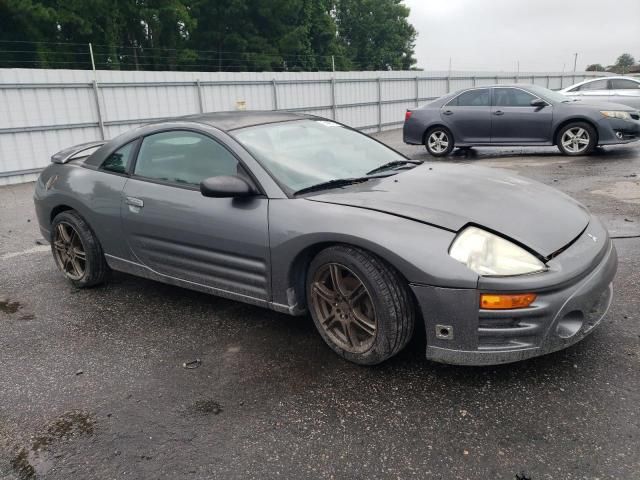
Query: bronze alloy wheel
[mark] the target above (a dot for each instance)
(344, 308)
(69, 251)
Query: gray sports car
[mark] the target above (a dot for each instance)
(301, 214)
(526, 115)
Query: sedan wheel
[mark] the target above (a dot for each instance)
(577, 139)
(359, 304)
(439, 142)
(77, 251)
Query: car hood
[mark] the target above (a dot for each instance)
(451, 196)
(591, 105)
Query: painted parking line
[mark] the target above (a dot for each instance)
(29, 251)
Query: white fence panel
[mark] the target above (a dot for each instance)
(44, 111)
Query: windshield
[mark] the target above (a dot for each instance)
(547, 94)
(303, 153)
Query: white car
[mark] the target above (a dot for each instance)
(624, 90)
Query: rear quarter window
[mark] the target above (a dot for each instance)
(118, 161)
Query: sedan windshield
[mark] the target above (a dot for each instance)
(305, 153)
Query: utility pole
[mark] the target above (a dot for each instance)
(575, 61)
(449, 66)
(333, 63)
(518, 71)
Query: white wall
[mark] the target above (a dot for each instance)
(44, 111)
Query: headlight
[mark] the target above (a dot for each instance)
(488, 254)
(617, 114)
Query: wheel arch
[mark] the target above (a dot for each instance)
(433, 126)
(55, 211)
(566, 122)
(299, 267)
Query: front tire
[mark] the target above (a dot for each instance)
(77, 251)
(359, 304)
(439, 141)
(577, 138)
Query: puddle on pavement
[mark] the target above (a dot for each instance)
(624, 191)
(9, 307)
(36, 460)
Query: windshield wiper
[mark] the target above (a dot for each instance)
(337, 182)
(395, 163)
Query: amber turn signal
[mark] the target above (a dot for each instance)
(493, 301)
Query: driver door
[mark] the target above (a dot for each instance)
(172, 229)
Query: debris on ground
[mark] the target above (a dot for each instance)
(7, 306)
(206, 407)
(523, 476)
(192, 364)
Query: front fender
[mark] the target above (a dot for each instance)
(418, 251)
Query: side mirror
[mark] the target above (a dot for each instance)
(538, 102)
(226, 186)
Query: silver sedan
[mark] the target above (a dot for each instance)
(623, 90)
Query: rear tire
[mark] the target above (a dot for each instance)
(439, 141)
(360, 305)
(577, 138)
(77, 251)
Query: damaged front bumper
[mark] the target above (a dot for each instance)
(572, 299)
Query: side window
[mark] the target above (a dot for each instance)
(118, 161)
(512, 97)
(621, 84)
(595, 85)
(472, 98)
(183, 157)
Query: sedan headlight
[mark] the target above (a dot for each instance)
(616, 114)
(488, 254)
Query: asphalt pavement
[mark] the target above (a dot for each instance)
(142, 380)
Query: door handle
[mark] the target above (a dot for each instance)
(135, 202)
(447, 112)
(498, 112)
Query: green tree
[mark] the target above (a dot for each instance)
(25, 20)
(376, 34)
(595, 67)
(230, 35)
(623, 62)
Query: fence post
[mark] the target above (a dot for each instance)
(417, 91)
(449, 83)
(548, 81)
(199, 88)
(379, 104)
(98, 109)
(473, 81)
(496, 79)
(333, 97)
(275, 94)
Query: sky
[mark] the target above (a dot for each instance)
(543, 35)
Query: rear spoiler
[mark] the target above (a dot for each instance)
(63, 156)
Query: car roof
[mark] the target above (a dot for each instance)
(612, 77)
(227, 121)
(502, 85)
